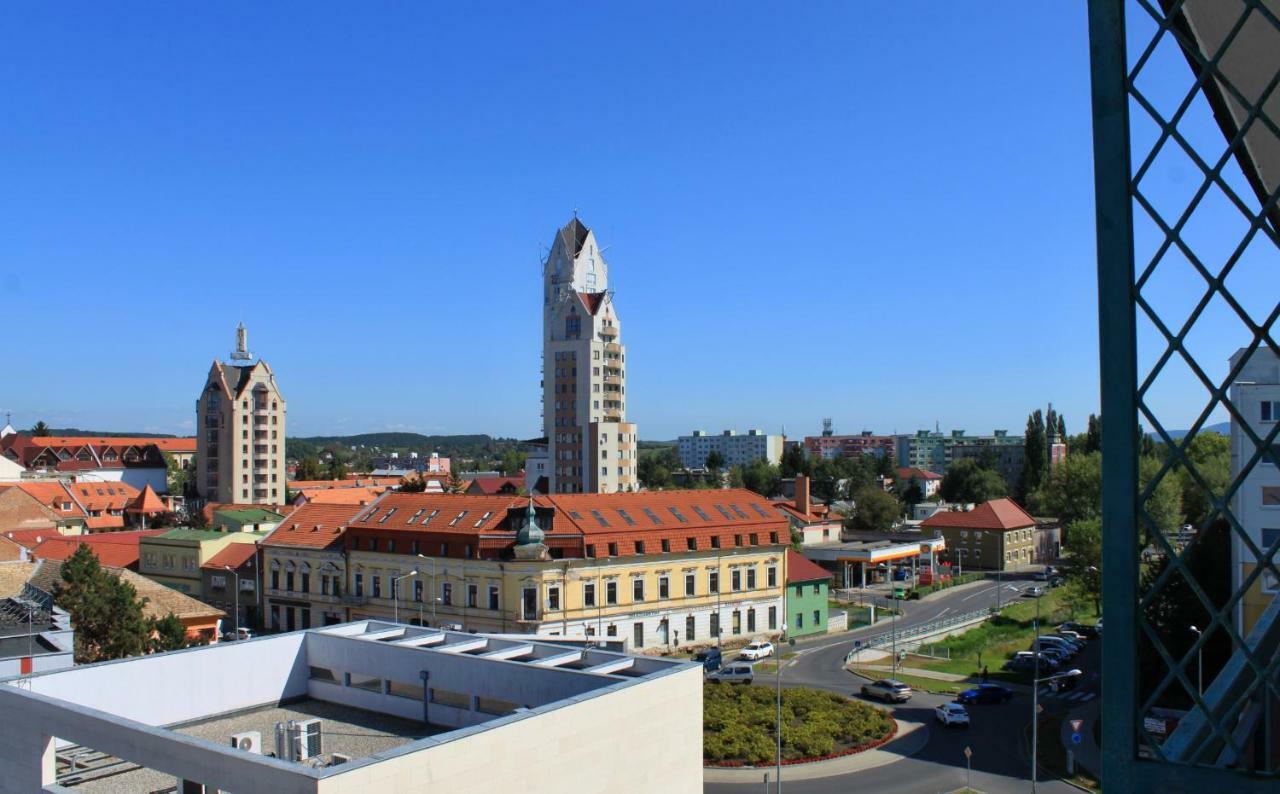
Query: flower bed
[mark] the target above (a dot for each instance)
(739, 726)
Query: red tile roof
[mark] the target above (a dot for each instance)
(912, 473)
(999, 515)
(148, 501)
(113, 549)
(313, 525)
(54, 495)
(413, 511)
(233, 556)
(30, 538)
(342, 496)
(103, 496)
(592, 301)
(816, 514)
(490, 486)
(800, 569)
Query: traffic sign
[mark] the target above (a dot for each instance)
(1039, 708)
(1075, 725)
(1075, 738)
(968, 752)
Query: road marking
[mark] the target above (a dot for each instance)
(975, 595)
(945, 611)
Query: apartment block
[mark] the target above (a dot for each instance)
(735, 449)
(591, 447)
(996, 535)
(934, 451)
(240, 421)
(1256, 504)
(829, 445)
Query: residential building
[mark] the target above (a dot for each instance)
(10, 470)
(249, 518)
(11, 550)
(366, 706)
(174, 558)
(113, 549)
(136, 461)
(736, 450)
(304, 565)
(654, 569)
(412, 461)
(1255, 395)
(590, 443)
(928, 482)
(229, 581)
(77, 504)
(808, 589)
(240, 423)
(829, 445)
(996, 535)
(493, 486)
(346, 496)
(21, 509)
(809, 521)
(935, 452)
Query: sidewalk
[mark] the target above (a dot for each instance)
(915, 671)
(911, 739)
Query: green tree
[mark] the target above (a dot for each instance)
(337, 470)
(735, 477)
(1062, 429)
(762, 477)
(105, 610)
(1083, 565)
(512, 462)
(967, 480)
(1036, 456)
(794, 461)
(1164, 505)
(40, 429)
(455, 482)
(1211, 454)
(167, 634)
(413, 484)
(715, 461)
(1073, 490)
(913, 494)
(1093, 435)
(309, 468)
(177, 479)
(874, 510)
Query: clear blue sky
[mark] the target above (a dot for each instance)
(880, 213)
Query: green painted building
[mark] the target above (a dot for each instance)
(808, 587)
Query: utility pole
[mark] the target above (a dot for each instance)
(778, 667)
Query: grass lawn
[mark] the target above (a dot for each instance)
(993, 642)
(739, 723)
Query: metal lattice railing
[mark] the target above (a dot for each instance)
(1187, 274)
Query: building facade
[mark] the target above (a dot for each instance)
(808, 588)
(654, 569)
(735, 449)
(240, 432)
(176, 558)
(866, 443)
(1256, 504)
(997, 535)
(590, 445)
(935, 451)
(304, 565)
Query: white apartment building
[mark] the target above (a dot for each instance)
(735, 449)
(240, 431)
(1256, 395)
(590, 445)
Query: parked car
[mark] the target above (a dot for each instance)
(1057, 581)
(1056, 655)
(1073, 636)
(756, 651)
(734, 673)
(237, 634)
(1020, 664)
(1046, 662)
(1035, 591)
(986, 693)
(1098, 627)
(901, 575)
(1080, 628)
(1046, 641)
(887, 689)
(710, 659)
(952, 714)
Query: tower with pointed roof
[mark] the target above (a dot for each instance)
(590, 444)
(240, 431)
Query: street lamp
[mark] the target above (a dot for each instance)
(777, 660)
(1035, 709)
(395, 591)
(434, 597)
(1199, 663)
(237, 599)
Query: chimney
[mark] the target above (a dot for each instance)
(802, 493)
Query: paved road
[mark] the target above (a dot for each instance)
(1000, 761)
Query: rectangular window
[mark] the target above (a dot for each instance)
(664, 587)
(735, 580)
(639, 547)
(715, 541)
(591, 549)
(377, 586)
(755, 539)
(666, 545)
(589, 594)
(473, 596)
(715, 624)
(737, 540)
(360, 584)
(816, 616)
(446, 594)
(553, 598)
(613, 549)
(637, 589)
(288, 581)
(771, 576)
(1270, 410)
(799, 620)
(611, 592)
(493, 597)
(713, 582)
(690, 584)
(306, 582)
(689, 624)
(751, 578)
(773, 618)
(692, 543)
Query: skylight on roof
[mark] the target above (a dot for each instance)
(723, 512)
(701, 513)
(369, 516)
(430, 516)
(414, 517)
(575, 515)
(738, 510)
(387, 515)
(652, 516)
(631, 522)
(460, 516)
(484, 518)
(679, 516)
(760, 510)
(596, 515)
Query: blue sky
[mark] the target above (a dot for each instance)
(880, 213)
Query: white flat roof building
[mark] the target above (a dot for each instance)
(359, 707)
(737, 450)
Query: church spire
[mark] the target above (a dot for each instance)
(241, 352)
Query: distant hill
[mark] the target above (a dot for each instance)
(398, 440)
(75, 432)
(1222, 428)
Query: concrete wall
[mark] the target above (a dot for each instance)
(653, 742)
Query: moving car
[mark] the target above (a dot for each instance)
(887, 689)
(756, 651)
(733, 673)
(710, 658)
(1035, 591)
(952, 714)
(986, 693)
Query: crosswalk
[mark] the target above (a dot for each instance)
(1077, 696)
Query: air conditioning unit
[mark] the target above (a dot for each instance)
(306, 734)
(249, 741)
(339, 758)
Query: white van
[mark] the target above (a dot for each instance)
(733, 673)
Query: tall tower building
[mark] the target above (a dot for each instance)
(590, 444)
(240, 431)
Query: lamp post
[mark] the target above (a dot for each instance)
(893, 633)
(434, 597)
(1199, 663)
(395, 591)
(237, 599)
(1035, 710)
(778, 666)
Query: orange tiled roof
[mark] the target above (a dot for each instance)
(103, 496)
(233, 556)
(54, 495)
(148, 501)
(801, 569)
(999, 515)
(912, 473)
(396, 510)
(31, 538)
(113, 549)
(166, 444)
(312, 525)
(342, 496)
(816, 513)
(490, 486)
